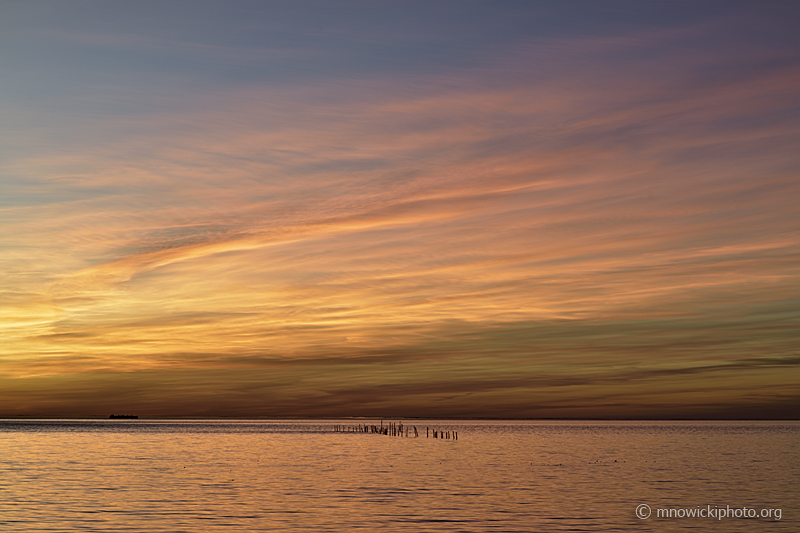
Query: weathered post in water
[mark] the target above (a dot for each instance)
(394, 429)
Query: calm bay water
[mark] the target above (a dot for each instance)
(198, 476)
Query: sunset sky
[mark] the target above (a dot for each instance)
(401, 209)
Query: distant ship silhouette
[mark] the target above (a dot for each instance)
(124, 416)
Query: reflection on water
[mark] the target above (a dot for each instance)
(140, 475)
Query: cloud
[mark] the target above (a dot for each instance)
(530, 232)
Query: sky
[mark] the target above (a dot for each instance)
(533, 209)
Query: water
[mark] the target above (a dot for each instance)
(199, 476)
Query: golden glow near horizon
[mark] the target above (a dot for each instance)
(571, 225)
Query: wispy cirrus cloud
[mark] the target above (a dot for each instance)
(568, 221)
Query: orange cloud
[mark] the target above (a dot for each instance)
(527, 241)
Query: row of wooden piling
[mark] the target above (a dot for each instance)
(442, 434)
(395, 430)
(391, 429)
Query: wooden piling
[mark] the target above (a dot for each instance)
(395, 429)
